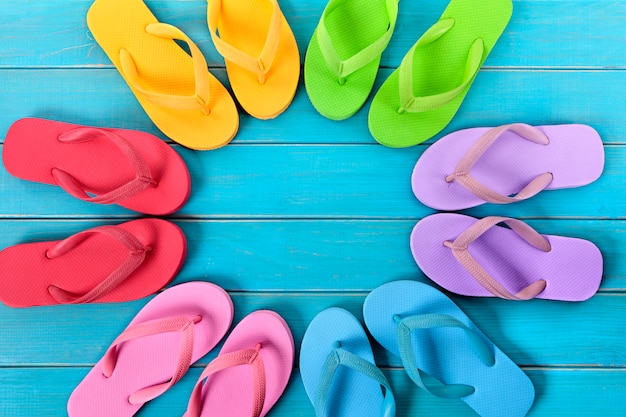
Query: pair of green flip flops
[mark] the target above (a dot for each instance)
(422, 95)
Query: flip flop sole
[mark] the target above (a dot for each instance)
(26, 271)
(446, 353)
(229, 393)
(273, 97)
(352, 27)
(574, 156)
(331, 99)
(572, 269)
(438, 67)
(352, 394)
(164, 67)
(32, 150)
(151, 360)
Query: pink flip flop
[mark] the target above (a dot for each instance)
(172, 331)
(473, 166)
(474, 257)
(100, 265)
(263, 343)
(133, 169)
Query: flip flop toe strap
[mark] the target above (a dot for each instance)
(200, 98)
(461, 253)
(250, 357)
(341, 357)
(407, 325)
(260, 65)
(136, 255)
(462, 174)
(182, 325)
(343, 68)
(411, 103)
(143, 179)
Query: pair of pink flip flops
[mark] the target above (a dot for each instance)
(477, 258)
(136, 170)
(174, 330)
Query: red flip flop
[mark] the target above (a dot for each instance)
(104, 264)
(134, 169)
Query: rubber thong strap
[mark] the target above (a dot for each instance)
(200, 98)
(258, 65)
(413, 104)
(143, 179)
(251, 357)
(431, 384)
(171, 324)
(462, 171)
(341, 357)
(343, 68)
(461, 253)
(136, 255)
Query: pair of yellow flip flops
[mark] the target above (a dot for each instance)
(176, 90)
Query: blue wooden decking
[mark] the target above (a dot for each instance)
(301, 213)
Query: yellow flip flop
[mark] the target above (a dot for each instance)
(176, 90)
(260, 51)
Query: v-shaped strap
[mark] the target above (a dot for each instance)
(143, 178)
(341, 357)
(259, 65)
(166, 325)
(406, 325)
(462, 171)
(343, 68)
(414, 104)
(200, 98)
(136, 255)
(461, 253)
(251, 357)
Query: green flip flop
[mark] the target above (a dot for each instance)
(343, 56)
(422, 95)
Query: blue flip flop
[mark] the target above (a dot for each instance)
(443, 351)
(338, 371)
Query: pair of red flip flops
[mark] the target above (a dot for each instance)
(133, 169)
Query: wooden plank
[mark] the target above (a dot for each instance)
(31, 392)
(360, 181)
(101, 98)
(532, 333)
(540, 33)
(328, 255)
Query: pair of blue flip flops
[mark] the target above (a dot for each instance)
(441, 349)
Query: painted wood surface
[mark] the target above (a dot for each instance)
(100, 97)
(537, 333)
(301, 213)
(568, 391)
(316, 255)
(541, 33)
(307, 181)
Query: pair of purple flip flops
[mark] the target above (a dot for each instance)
(506, 164)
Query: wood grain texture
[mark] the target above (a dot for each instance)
(541, 33)
(317, 255)
(562, 392)
(306, 181)
(536, 333)
(100, 97)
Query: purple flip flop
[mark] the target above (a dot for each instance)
(473, 166)
(474, 257)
